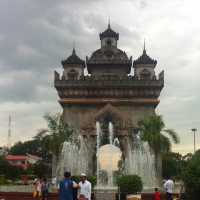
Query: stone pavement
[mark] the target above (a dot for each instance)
(54, 196)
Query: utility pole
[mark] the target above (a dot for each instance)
(194, 132)
(9, 132)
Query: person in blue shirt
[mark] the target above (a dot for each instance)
(66, 187)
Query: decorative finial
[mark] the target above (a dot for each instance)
(73, 51)
(144, 48)
(109, 23)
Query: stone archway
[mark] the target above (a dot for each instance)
(121, 121)
(122, 127)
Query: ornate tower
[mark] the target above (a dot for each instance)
(144, 67)
(109, 60)
(73, 67)
(109, 94)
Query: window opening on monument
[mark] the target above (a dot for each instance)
(109, 42)
(72, 74)
(145, 74)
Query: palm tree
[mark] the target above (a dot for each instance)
(159, 139)
(57, 133)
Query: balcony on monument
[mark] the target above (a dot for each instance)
(110, 62)
(106, 80)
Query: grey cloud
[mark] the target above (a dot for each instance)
(36, 35)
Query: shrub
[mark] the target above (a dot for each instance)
(130, 184)
(93, 180)
(3, 180)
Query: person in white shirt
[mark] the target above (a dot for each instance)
(84, 188)
(169, 186)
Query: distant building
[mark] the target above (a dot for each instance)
(22, 161)
(3, 151)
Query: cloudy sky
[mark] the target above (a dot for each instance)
(36, 35)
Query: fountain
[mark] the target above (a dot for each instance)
(138, 158)
(141, 161)
(73, 158)
(108, 157)
(111, 132)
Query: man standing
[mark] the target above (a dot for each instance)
(169, 186)
(85, 188)
(66, 187)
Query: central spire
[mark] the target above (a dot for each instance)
(109, 33)
(109, 23)
(73, 51)
(144, 48)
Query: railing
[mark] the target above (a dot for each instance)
(109, 81)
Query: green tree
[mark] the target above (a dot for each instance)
(21, 148)
(34, 146)
(9, 171)
(41, 169)
(47, 143)
(41, 139)
(57, 133)
(153, 131)
(191, 177)
(173, 165)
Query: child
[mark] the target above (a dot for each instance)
(156, 194)
(37, 188)
(44, 189)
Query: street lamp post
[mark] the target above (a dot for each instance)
(194, 132)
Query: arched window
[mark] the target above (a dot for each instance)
(108, 42)
(72, 74)
(145, 74)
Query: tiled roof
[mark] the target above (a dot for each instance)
(109, 33)
(145, 59)
(73, 59)
(16, 157)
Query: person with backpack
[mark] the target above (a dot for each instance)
(66, 187)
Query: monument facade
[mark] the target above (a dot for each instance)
(110, 95)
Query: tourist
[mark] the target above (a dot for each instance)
(85, 188)
(54, 183)
(37, 188)
(169, 186)
(66, 187)
(156, 195)
(44, 189)
(182, 194)
(75, 191)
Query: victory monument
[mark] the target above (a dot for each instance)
(104, 107)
